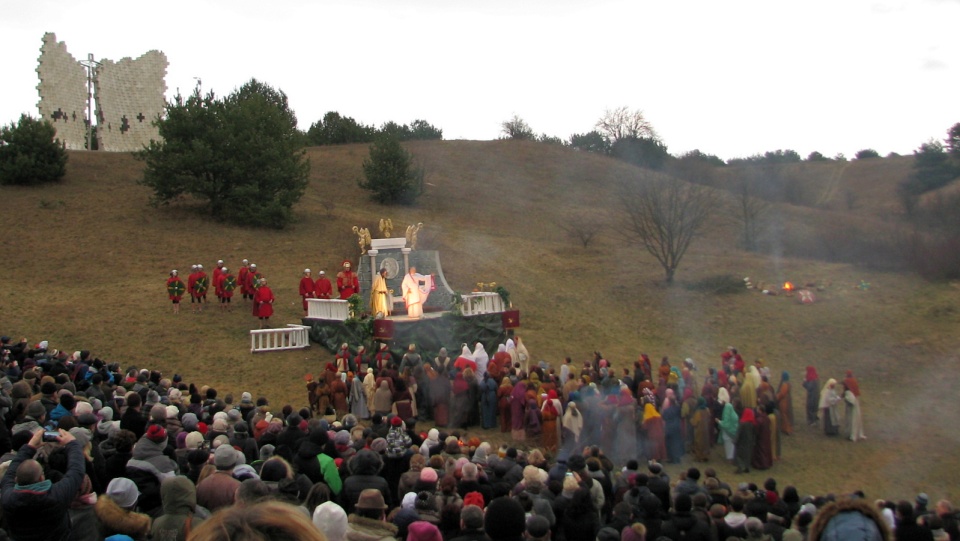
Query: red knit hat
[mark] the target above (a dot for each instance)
(156, 433)
(396, 421)
(474, 498)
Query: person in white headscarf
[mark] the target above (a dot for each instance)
(512, 351)
(523, 356)
(482, 358)
(433, 440)
(572, 425)
(829, 408)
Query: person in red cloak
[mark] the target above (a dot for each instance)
(242, 279)
(347, 282)
(382, 358)
(323, 287)
(227, 284)
(191, 283)
(308, 290)
(217, 272)
(342, 359)
(175, 290)
(201, 286)
(263, 303)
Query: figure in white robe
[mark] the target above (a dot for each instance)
(853, 420)
(416, 289)
(482, 358)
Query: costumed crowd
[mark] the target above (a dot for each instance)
(92, 450)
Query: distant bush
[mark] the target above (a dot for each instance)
(641, 151)
(334, 129)
(817, 157)
(29, 154)
(866, 154)
(769, 157)
(591, 141)
(517, 128)
(721, 284)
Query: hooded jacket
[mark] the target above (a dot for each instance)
(179, 505)
(117, 520)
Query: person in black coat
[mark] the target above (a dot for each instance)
(683, 525)
(364, 470)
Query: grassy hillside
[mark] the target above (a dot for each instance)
(87, 258)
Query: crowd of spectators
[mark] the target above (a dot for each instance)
(92, 450)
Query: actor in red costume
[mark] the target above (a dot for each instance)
(347, 282)
(242, 279)
(175, 289)
(226, 283)
(323, 287)
(307, 289)
(263, 303)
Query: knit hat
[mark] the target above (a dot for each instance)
(474, 498)
(82, 435)
(189, 421)
(422, 530)
(156, 433)
(331, 519)
(396, 421)
(266, 452)
(220, 425)
(172, 412)
(425, 501)
(504, 519)
(194, 439)
(428, 475)
(379, 445)
(234, 416)
(225, 457)
(371, 498)
(123, 491)
(409, 500)
(246, 398)
(342, 438)
(81, 408)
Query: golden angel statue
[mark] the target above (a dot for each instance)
(412, 235)
(386, 227)
(363, 239)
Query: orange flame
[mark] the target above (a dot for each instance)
(787, 286)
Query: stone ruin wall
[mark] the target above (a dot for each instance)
(129, 96)
(63, 92)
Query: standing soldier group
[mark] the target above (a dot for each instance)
(347, 285)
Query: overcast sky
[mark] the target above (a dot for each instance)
(731, 78)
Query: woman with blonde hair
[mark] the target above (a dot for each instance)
(266, 521)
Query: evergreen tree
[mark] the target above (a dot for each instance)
(29, 154)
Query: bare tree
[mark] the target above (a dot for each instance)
(582, 226)
(517, 128)
(665, 214)
(622, 123)
(749, 210)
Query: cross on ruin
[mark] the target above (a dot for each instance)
(58, 114)
(140, 117)
(124, 124)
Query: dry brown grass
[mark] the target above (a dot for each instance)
(87, 259)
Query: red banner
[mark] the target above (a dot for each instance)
(382, 329)
(511, 319)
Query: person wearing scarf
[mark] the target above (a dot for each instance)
(785, 404)
(625, 447)
(700, 423)
(746, 440)
(652, 425)
(572, 425)
(518, 402)
(829, 409)
(728, 424)
(550, 413)
(504, 392)
(672, 427)
(811, 383)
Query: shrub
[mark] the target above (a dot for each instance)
(721, 284)
(866, 154)
(29, 154)
(391, 174)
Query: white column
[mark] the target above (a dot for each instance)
(373, 266)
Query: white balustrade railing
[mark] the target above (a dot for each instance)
(482, 302)
(284, 338)
(335, 309)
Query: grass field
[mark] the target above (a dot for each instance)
(87, 259)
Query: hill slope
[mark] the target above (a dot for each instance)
(87, 259)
